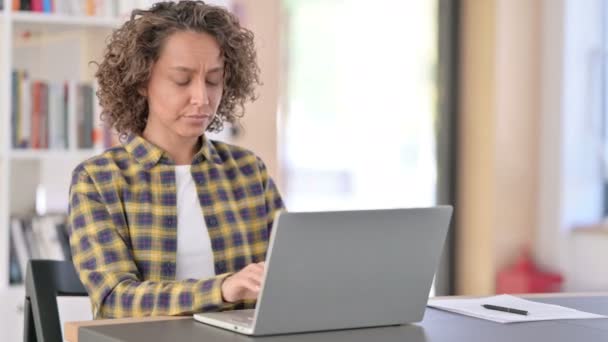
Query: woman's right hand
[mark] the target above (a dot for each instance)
(245, 284)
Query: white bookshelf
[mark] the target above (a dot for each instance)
(5, 63)
(52, 47)
(62, 21)
(55, 48)
(11, 313)
(53, 154)
(58, 48)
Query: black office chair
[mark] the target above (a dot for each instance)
(45, 280)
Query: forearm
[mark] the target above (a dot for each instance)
(136, 299)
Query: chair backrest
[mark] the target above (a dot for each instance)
(45, 280)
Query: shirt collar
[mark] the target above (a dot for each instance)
(148, 154)
(207, 152)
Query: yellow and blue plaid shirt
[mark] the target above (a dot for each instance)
(123, 226)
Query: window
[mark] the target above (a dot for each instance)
(360, 113)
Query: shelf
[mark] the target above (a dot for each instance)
(52, 154)
(13, 289)
(16, 288)
(61, 20)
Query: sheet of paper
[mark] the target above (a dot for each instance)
(536, 311)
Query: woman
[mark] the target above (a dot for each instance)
(171, 222)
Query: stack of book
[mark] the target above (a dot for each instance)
(97, 8)
(41, 112)
(38, 237)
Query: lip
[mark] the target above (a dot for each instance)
(197, 119)
(197, 116)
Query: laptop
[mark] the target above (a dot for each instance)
(342, 270)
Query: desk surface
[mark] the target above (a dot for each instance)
(437, 326)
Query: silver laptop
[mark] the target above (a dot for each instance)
(341, 270)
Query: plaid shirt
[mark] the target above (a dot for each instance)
(123, 226)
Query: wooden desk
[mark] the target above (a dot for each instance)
(431, 329)
(71, 328)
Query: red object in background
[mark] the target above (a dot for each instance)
(524, 277)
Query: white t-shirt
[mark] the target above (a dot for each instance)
(194, 253)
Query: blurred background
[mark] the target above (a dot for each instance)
(497, 107)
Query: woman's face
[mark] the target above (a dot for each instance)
(185, 87)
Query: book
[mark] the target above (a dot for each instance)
(17, 235)
(64, 239)
(84, 113)
(39, 237)
(99, 8)
(56, 117)
(45, 229)
(26, 5)
(36, 6)
(15, 272)
(16, 110)
(47, 6)
(25, 113)
(44, 113)
(36, 114)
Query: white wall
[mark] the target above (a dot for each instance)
(260, 126)
(498, 138)
(570, 192)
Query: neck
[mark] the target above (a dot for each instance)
(180, 150)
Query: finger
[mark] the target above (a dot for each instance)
(247, 275)
(249, 295)
(256, 278)
(256, 269)
(253, 268)
(250, 285)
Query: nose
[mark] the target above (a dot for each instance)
(199, 94)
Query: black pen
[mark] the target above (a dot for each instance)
(505, 309)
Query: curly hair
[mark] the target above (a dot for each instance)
(133, 48)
